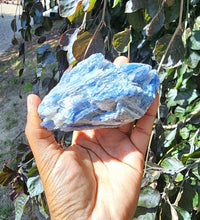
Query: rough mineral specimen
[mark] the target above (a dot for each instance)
(96, 94)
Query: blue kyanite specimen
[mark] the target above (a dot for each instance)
(96, 94)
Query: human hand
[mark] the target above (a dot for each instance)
(97, 177)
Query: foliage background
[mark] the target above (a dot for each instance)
(162, 33)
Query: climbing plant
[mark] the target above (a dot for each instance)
(162, 33)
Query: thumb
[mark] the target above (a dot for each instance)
(38, 137)
(120, 60)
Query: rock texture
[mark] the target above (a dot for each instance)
(96, 94)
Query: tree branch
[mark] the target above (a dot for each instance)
(98, 28)
(179, 27)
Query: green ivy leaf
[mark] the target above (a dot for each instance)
(122, 40)
(149, 197)
(34, 185)
(143, 213)
(41, 203)
(192, 59)
(188, 198)
(170, 137)
(175, 54)
(184, 132)
(171, 164)
(195, 154)
(194, 108)
(198, 20)
(179, 112)
(199, 169)
(182, 97)
(180, 72)
(20, 205)
(179, 213)
(179, 177)
(194, 41)
(151, 175)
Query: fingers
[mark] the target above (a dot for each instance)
(38, 137)
(142, 131)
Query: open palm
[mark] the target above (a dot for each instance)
(99, 176)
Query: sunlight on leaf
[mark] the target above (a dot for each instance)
(134, 5)
(172, 164)
(189, 198)
(149, 197)
(171, 136)
(173, 213)
(143, 213)
(67, 41)
(40, 201)
(179, 213)
(195, 154)
(195, 40)
(34, 185)
(122, 40)
(81, 44)
(20, 205)
(69, 8)
(175, 54)
(115, 3)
